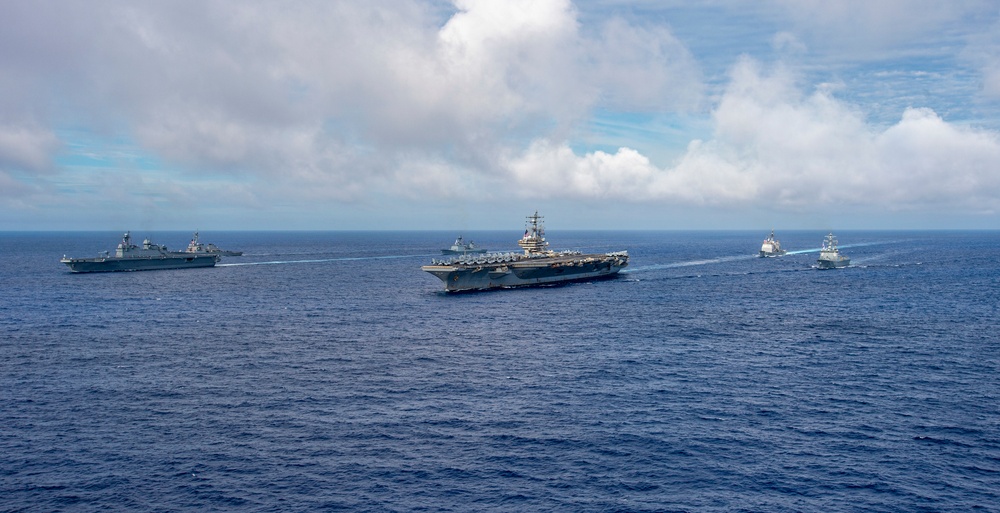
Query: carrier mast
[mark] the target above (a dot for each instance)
(534, 242)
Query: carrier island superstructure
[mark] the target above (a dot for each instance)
(537, 265)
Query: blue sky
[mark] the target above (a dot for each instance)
(464, 115)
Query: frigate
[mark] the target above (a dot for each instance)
(537, 265)
(130, 257)
(771, 247)
(830, 257)
(196, 246)
(460, 247)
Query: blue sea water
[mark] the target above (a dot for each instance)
(324, 371)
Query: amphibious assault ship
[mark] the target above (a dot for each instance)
(830, 257)
(771, 247)
(129, 257)
(536, 266)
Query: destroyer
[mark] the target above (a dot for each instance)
(209, 249)
(771, 247)
(830, 257)
(536, 266)
(129, 257)
(460, 247)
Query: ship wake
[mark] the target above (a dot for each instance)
(689, 263)
(323, 260)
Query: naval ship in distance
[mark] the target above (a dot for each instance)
(148, 257)
(771, 247)
(536, 266)
(830, 257)
(196, 246)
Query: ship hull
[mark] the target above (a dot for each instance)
(112, 264)
(219, 252)
(532, 272)
(833, 264)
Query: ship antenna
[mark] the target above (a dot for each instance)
(533, 241)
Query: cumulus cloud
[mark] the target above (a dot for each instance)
(775, 146)
(318, 102)
(547, 169)
(248, 87)
(511, 59)
(924, 160)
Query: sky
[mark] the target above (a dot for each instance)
(472, 114)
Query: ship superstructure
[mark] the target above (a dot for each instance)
(196, 246)
(537, 265)
(130, 257)
(830, 257)
(771, 247)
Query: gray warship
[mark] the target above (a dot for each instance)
(460, 247)
(771, 247)
(536, 266)
(830, 257)
(196, 246)
(130, 257)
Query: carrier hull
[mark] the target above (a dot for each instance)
(534, 271)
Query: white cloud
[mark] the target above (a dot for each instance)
(787, 42)
(777, 147)
(869, 27)
(27, 148)
(510, 58)
(991, 80)
(232, 86)
(403, 98)
(644, 69)
(927, 161)
(548, 169)
(983, 51)
(320, 103)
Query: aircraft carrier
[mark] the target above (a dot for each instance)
(537, 265)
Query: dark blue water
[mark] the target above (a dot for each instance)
(325, 371)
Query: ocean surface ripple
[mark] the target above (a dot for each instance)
(339, 376)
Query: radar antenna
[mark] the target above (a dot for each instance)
(534, 242)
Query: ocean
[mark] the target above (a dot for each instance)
(323, 371)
